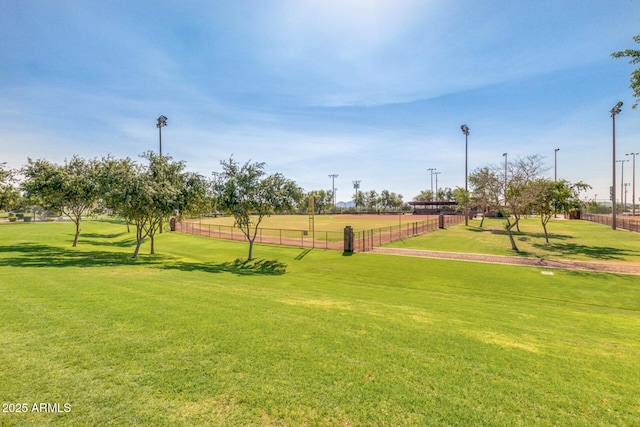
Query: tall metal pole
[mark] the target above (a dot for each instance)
(356, 186)
(431, 170)
(555, 164)
(505, 178)
(633, 183)
(626, 184)
(622, 183)
(465, 130)
(333, 176)
(436, 195)
(162, 122)
(614, 112)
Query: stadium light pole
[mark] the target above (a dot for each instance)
(465, 131)
(505, 178)
(436, 195)
(333, 176)
(356, 186)
(633, 183)
(555, 164)
(614, 112)
(622, 183)
(431, 170)
(162, 122)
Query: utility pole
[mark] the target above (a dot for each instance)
(333, 176)
(633, 183)
(431, 170)
(614, 112)
(356, 186)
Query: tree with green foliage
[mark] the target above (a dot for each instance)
(147, 194)
(486, 190)
(634, 55)
(463, 202)
(71, 188)
(551, 197)
(322, 200)
(371, 200)
(391, 200)
(10, 197)
(424, 196)
(247, 193)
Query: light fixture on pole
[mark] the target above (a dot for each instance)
(555, 164)
(633, 183)
(431, 170)
(162, 122)
(356, 186)
(465, 131)
(614, 112)
(333, 176)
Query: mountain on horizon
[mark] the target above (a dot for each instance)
(349, 204)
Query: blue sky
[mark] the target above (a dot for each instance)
(372, 90)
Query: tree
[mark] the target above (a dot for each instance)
(444, 195)
(247, 193)
(463, 202)
(322, 200)
(486, 189)
(371, 200)
(359, 199)
(146, 194)
(71, 188)
(634, 56)
(390, 200)
(424, 196)
(10, 197)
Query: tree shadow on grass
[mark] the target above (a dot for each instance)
(32, 255)
(109, 240)
(102, 236)
(238, 266)
(38, 255)
(595, 252)
(522, 235)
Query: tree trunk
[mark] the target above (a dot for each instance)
(482, 220)
(250, 250)
(153, 249)
(75, 239)
(513, 241)
(138, 244)
(544, 227)
(138, 240)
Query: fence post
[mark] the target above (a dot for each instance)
(348, 239)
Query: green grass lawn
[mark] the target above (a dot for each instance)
(193, 336)
(580, 240)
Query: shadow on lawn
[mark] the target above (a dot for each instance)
(37, 255)
(595, 252)
(238, 266)
(521, 235)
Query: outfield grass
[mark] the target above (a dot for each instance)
(192, 336)
(331, 223)
(579, 240)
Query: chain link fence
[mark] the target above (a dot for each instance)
(364, 240)
(630, 224)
